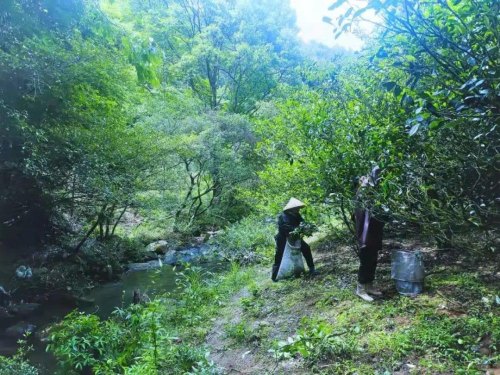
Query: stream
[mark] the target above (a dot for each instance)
(153, 278)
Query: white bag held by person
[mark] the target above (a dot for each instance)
(291, 263)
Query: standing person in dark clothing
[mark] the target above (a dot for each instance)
(369, 232)
(288, 220)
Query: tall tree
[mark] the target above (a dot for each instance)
(68, 143)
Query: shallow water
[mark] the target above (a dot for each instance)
(107, 297)
(119, 294)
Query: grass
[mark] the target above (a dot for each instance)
(239, 332)
(453, 326)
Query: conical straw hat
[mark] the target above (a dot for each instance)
(294, 203)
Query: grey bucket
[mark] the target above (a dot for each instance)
(408, 271)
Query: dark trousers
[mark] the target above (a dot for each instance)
(370, 243)
(367, 264)
(280, 249)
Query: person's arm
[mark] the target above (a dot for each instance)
(366, 226)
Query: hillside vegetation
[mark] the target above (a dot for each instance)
(124, 122)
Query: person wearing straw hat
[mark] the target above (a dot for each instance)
(369, 232)
(288, 220)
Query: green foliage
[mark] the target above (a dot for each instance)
(215, 156)
(316, 341)
(104, 260)
(106, 141)
(197, 293)
(248, 241)
(229, 54)
(243, 334)
(239, 332)
(143, 339)
(303, 230)
(448, 337)
(408, 103)
(68, 140)
(194, 117)
(133, 340)
(18, 363)
(452, 326)
(254, 304)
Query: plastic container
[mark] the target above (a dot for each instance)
(408, 271)
(409, 288)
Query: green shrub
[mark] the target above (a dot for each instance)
(248, 241)
(240, 332)
(315, 341)
(18, 364)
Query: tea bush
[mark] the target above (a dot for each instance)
(248, 241)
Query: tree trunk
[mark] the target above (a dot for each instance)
(87, 235)
(119, 218)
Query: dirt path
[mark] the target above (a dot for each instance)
(230, 359)
(245, 352)
(265, 315)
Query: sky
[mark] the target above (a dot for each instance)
(309, 19)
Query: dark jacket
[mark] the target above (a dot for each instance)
(287, 222)
(369, 228)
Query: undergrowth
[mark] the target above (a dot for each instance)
(248, 241)
(347, 336)
(18, 363)
(165, 335)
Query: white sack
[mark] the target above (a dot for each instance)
(291, 263)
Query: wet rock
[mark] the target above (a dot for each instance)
(186, 256)
(151, 265)
(170, 257)
(132, 267)
(19, 330)
(139, 297)
(5, 314)
(24, 309)
(158, 247)
(190, 255)
(5, 297)
(23, 272)
(84, 301)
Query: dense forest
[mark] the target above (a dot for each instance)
(125, 123)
